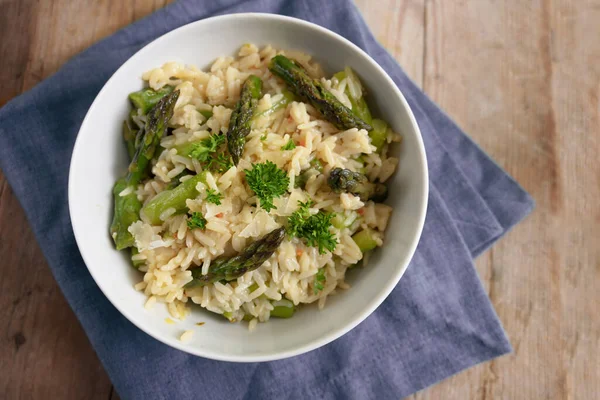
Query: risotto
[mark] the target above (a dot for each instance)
(253, 186)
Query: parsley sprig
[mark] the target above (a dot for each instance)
(314, 229)
(214, 197)
(220, 163)
(319, 279)
(289, 145)
(196, 221)
(296, 220)
(267, 182)
(206, 151)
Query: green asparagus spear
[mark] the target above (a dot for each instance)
(379, 134)
(316, 167)
(283, 309)
(341, 221)
(133, 113)
(148, 140)
(365, 240)
(316, 94)
(338, 221)
(286, 99)
(229, 316)
(304, 176)
(241, 117)
(136, 263)
(127, 207)
(355, 92)
(148, 98)
(177, 180)
(361, 159)
(127, 211)
(344, 180)
(173, 198)
(129, 134)
(249, 259)
(206, 113)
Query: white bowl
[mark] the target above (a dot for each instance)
(99, 158)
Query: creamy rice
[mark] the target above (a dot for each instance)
(171, 250)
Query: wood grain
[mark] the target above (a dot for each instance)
(519, 77)
(523, 78)
(44, 353)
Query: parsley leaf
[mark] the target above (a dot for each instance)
(268, 182)
(213, 197)
(296, 220)
(196, 220)
(319, 279)
(203, 150)
(289, 145)
(220, 163)
(207, 151)
(263, 138)
(314, 229)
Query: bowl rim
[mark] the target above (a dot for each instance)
(330, 336)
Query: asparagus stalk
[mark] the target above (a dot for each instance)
(379, 134)
(283, 309)
(127, 207)
(286, 99)
(206, 113)
(344, 180)
(241, 117)
(249, 259)
(177, 180)
(355, 92)
(148, 140)
(229, 316)
(129, 134)
(365, 240)
(316, 167)
(148, 98)
(127, 211)
(173, 198)
(136, 263)
(316, 94)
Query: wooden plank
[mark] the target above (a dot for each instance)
(521, 78)
(399, 26)
(481, 67)
(573, 64)
(44, 353)
(43, 350)
(16, 31)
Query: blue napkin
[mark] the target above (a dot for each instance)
(438, 320)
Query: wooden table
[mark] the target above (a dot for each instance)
(522, 77)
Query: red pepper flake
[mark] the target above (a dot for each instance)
(219, 215)
(361, 211)
(299, 252)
